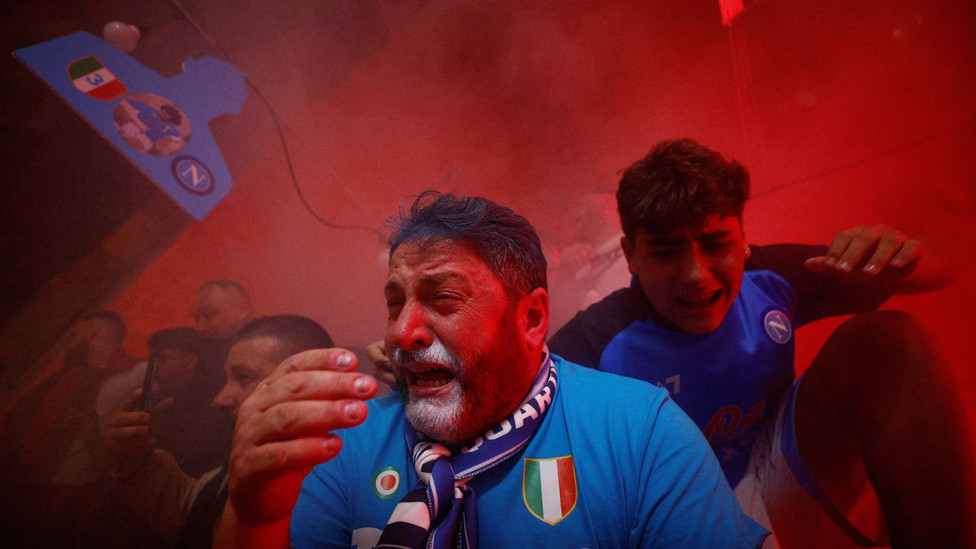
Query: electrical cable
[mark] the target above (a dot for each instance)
(281, 136)
(922, 141)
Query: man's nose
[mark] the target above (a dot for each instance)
(695, 265)
(409, 331)
(223, 399)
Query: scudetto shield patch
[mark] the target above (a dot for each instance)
(549, 488)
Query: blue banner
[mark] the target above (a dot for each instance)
(159, 124)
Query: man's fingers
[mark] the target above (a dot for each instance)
(133, 401)
(872, 249)
(280, 458)
(837, 248)
(886, 248)
(385, 375)
(312, 385)
(376, 353)
(860, 242)
(319, 374)
(335, 359)
(128, 419)
(296, 419)
(163, 404)
(910, 251)
(126, 433)
(816, 264)
(338, 360)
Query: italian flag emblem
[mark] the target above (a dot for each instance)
(92, 78)
(549, 488)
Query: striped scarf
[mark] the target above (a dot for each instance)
(440, 512)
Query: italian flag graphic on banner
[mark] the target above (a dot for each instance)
(549, 488)
(92, 78)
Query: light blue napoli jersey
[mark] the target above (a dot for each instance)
(615, 463)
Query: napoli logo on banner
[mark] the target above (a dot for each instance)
(549, 488)
(778, 326)
(386, 482)
(159, 124)
(193, 175)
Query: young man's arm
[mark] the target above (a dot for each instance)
(882, 255)
(844, 286)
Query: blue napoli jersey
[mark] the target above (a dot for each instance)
(614, 464)
(725, 379)
(719, 378)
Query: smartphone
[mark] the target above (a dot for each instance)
(147, 383)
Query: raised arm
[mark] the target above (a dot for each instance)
(283, 430)
(376, 353)
(884, 255)
(147, 481)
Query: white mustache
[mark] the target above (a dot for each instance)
(436, 353)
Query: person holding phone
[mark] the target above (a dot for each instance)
(184, 423)
(150, 485)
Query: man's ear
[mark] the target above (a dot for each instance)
(628, 247)
(246, 311)
(534, 310)
(745, 241)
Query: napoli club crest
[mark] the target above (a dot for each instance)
(778, 327)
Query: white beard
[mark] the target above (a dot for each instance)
(436, 418)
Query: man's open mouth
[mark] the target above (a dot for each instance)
(427, 375)
(699, 301)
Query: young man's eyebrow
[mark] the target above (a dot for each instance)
(664, 240)
(713, 235)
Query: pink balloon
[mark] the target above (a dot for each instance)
(122, 36)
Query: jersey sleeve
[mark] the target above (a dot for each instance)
(819, 295)
(338, 505)
(685, 499)
(320, 518)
